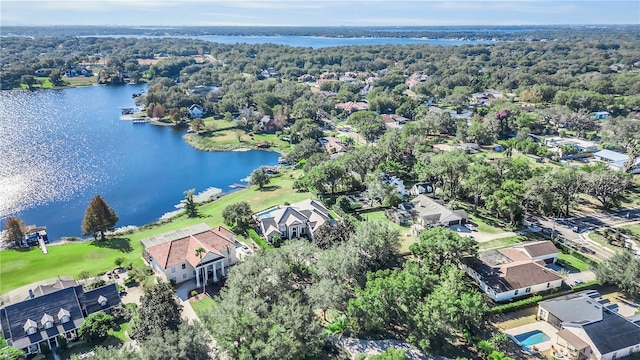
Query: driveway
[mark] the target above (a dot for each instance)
(584, 276)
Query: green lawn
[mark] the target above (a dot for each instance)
(405, 241)
(502, 242)
(571, 261)
(227, 139)
(202, 306)
(634, 231)
(22, 267)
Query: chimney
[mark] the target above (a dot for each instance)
(31, 294)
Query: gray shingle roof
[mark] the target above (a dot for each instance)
(613, 333)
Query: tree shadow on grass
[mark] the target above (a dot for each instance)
(120, 244)
(269, 188)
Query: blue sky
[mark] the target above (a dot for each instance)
(316, 13)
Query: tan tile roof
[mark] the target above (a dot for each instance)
(178, 251)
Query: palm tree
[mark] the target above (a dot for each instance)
(199, 252)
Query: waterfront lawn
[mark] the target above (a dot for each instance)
(22, 267)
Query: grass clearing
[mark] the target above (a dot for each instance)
(501, 242)
(22, 267)
(202, 305)
(571, 261)
(406, 239)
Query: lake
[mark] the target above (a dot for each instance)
(315, 42)
(59, 148)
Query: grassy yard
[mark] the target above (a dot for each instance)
(571, 261)
(22, 267)
(501, 242)
(406, 239)
(634, 231)
(225, 137)
(202, 305)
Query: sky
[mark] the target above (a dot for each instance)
(317, 12)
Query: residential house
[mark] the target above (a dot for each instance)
(394, 181)
(268, 124)
(470, 148)
(173, 256)
(269, 73)
(421, 188)
(293, 221)
(601, 115)
(517, 271)
(579, 144)
(36, 323)
(616, 160)
(333, 145)
(442, 147)
(195, 111)
(306, 78)
(589, 327)
(394, 121)
(425, 211)
(352, 106)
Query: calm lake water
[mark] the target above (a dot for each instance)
(58, 148)
(314, 41)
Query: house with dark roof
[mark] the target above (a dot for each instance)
(195, 111)
(425, 211)
(589, 326)
(268, 124)
(518, 271)
(173, 256)
(293, 221)
(47, 313)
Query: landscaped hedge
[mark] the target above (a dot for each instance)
(258, 240)
(516, 305)
(589, 285)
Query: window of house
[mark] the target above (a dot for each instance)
(516, 292)
(173, 279)
(48, 325)
(32, 330)
(184, 266)
(65, 319)
(194, 273)
(184, 276)
(173, 269)
(614, 356)
(527, 290)
(548, 285)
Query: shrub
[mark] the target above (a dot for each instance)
(62, 341)
(258, 240)
(119, 261)
(516, 305)
(96, 284)
(84, 275)
(586, 286)
(194, 293)
(129, 266)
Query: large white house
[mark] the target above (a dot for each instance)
(292, 221)
(173, 255)
(517, 271)
(589, 326)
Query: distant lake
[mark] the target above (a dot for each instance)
(314, 41)
(58, 148)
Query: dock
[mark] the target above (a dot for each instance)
(139, 121)
(207, 194)
(43, 246)
(238, 186)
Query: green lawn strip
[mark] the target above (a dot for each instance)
(634, 231)
(597, 237)
(501, 242)
(19, 268)
(571, 261)
(202, 305)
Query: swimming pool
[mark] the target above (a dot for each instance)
(531, 338)
(267, 213)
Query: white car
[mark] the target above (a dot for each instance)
(470, 226)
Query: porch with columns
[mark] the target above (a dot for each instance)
(214, 267)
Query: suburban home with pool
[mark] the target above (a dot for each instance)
(589, 327)
(172, 255)
(48, 311)
(293, 221)
(517, 271)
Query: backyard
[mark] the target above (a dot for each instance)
(98, 256)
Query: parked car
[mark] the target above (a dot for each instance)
(470, 226)
(578, 282)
